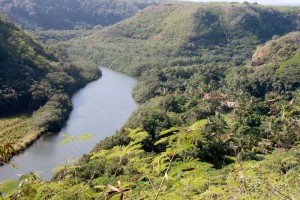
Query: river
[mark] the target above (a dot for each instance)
(100, 108)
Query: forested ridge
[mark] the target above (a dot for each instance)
(219, 114)
(186, 34)
(66, 14)
(35, 86)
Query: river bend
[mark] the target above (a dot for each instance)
(100, 108)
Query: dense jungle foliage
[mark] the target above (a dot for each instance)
(220, 107)
(66, 14)
(35, 86)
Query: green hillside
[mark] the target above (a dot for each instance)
(219, 114)
(276, 68)
(66, 14)
(187, 34)
(35, 86)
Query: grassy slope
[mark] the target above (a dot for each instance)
(18, 130)
(275, 67)
(284, 53)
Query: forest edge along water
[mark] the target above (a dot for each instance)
(100, 108)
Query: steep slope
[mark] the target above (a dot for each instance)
(66, 14)
(186, 34)
(34, 79)
(275, 67)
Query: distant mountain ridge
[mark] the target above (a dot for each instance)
(70, 14)
(264, 2)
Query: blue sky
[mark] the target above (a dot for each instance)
(266, 2)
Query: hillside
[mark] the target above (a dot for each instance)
(187, 34)
(35, 86)
(191, 59)
(275, 67)
(65, 14)
(219, 114)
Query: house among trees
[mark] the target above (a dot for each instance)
(219, 100)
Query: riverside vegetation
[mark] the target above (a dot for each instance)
(36, 82)
(35, 87)
(220, 107)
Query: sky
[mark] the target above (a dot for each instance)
(265, 2)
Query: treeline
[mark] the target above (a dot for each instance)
(66, 15)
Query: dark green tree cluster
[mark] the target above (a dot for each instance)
(35, 84)
(30, 73)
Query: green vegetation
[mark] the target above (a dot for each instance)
(18, 131)
(67, 15)
(36, 82)
(130, 172)
(185, 34)
(186, 73)
(51, 37)
(197, 64)
(277, 68)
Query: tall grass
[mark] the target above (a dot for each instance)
(18, 130)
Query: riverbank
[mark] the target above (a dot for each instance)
(100, 108)
(23, 130)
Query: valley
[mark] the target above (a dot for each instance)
(218, 93)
